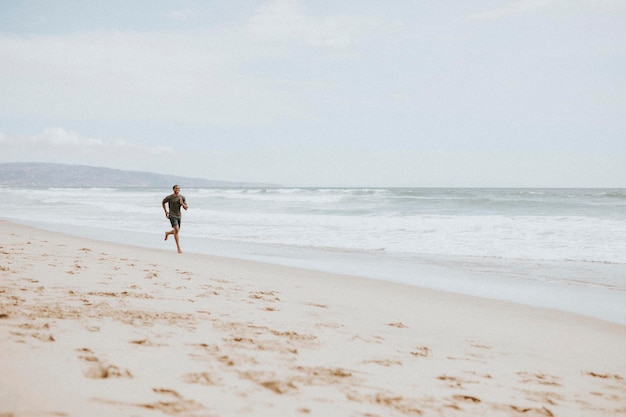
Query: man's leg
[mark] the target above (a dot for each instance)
(175, 231)
(175, 225)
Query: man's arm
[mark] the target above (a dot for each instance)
(164, 209)
(183, 203)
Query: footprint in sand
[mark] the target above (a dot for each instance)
(539, 378)
(466, 398)
(605, 376)
(98, 369)
(455, 381)
(421, 351)
(202, 378)
(384, 362)
(404, 405)
(268, 380)
(173, 404)
(268, 296)
(613, 386)
(398, 325)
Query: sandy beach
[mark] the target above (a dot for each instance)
(90, 328)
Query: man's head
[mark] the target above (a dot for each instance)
(176, 189)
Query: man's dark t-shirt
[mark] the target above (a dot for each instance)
(173, 202)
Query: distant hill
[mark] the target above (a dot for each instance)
(33, 174)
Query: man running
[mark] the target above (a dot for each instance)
(175, 202)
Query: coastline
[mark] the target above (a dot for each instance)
(108, 329)
(537, 283)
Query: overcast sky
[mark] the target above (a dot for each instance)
(527, 93)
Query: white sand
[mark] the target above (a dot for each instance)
(94, 329)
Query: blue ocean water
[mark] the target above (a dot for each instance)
(557, 248)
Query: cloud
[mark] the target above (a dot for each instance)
(556, 7)
(111, 75)
(58, 137)
(285, 21)
(520, 7)
(64, 146)
(199, 77)
(181, 15)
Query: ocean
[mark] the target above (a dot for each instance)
(557, 248)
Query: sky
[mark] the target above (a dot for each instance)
(446, 93)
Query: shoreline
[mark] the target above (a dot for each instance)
(535, 283)
(106, 329)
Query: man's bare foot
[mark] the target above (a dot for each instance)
(166, 236)
(180, 251)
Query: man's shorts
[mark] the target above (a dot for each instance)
(175, 221)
